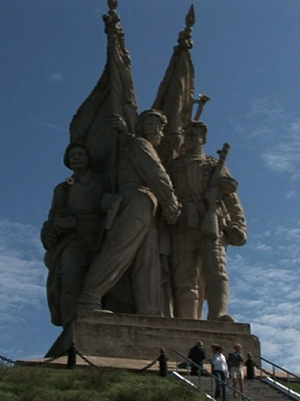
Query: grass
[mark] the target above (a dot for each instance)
(293, 386)
(47, 384)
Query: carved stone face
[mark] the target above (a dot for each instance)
(193, 139)
(153, 129)
(78, 159)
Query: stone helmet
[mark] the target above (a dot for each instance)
(200, 125)
(75, 145)
(147, 113)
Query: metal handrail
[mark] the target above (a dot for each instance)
(274, 365)
(201, 369)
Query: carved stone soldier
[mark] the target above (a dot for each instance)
(199, 260)
(71, 233)
(132, 241)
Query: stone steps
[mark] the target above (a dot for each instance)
(254, 389)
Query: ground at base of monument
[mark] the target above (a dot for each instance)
(134, 365)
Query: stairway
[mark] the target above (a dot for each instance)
(259, 391)
(254, 389)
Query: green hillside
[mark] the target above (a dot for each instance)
(89, 384)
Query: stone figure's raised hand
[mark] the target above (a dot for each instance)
(172, 212)
(235, 236)
(116, 122)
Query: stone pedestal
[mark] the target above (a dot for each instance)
(141, 337)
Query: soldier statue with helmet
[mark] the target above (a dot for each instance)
(212, 218)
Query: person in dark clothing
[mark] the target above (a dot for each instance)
(197, 355)
(249, 367)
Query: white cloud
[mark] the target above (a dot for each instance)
(266, 233)
(291, 195)
(21, 270)
(56, 76)
(53, 127)
(265, 293)
(268, 106)
(276, 132)
(283, 156)
(263, 247)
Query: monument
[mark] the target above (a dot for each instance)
(136, 238)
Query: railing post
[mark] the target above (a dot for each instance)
(199, 377)
(261, 372)
(176, 363)
(188, 369)
(71, 357)
(212, 386)
(163, 364)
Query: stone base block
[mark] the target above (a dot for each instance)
(141, 337)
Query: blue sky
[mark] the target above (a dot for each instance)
(246, 56)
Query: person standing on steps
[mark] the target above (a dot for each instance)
(220, 370)
(197, 355)
(249, 367)
(235, 361)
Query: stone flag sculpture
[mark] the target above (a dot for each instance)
(126, 248)
(113, 94)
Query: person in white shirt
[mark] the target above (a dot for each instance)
(220, 370)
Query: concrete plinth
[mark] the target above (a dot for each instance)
(141, 337)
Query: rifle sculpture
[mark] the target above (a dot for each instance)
(210, 223)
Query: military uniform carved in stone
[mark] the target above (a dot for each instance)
(132, 242)
(199, 260)
(71, 233)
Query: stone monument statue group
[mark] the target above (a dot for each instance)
(142, 224)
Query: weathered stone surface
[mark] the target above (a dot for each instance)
(141, 337)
